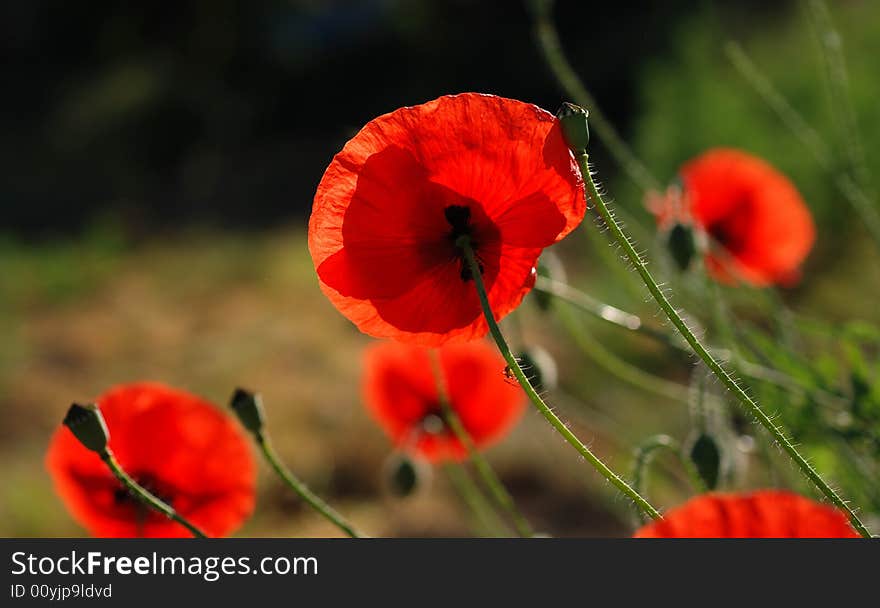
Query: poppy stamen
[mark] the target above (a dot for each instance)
(459, 217)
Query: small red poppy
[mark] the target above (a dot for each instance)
(759, 227)
(392, 203)
(401, 392)
(178, 446)
(762, 514)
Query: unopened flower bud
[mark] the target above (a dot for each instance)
(404, 475)
(573, 120)
(249, 409)
(706, 456)
(682, 245)
(88, 426)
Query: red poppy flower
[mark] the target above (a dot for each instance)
(400, 390)
(179, 447)
(759, 227)
(392, 203)
(762, 514)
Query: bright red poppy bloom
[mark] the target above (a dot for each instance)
(401, 392)
(178, 446)
(392, 203)
(762, 514)
(759, 227)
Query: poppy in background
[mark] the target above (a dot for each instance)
(176, 445)
(762, 514)
(401, 392)
(392, 203)
(759, 229)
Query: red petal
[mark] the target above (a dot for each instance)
(197, 455)
(758, 208)
(378, 235)
(762, 514)
(400, 389)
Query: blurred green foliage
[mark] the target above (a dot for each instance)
(694, 98)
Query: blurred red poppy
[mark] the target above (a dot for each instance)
(178, 446)
(400, 390)
(392, 203)
(762, 514)
(759, 228)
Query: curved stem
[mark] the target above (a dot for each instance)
(700, 350)
(495, 486)
(146, 497)
(302, 489)
(464, 244)
(470, 494)
(645, 453)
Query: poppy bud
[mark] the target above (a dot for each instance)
(404, 475)
(249, 409)
(682, 245)
(706, 456)
(573, 120)
(539, 367)
(88, 426)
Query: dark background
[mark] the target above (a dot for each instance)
(226, 112)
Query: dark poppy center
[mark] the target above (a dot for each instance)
(459, 217)
(150, 483)
(732, 230)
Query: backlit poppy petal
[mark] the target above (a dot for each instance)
(401, 393)
(391, 204)
(762, 514)
(177, 445)
(760, 226)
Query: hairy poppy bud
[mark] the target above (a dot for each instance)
(404, 476)
(706, 456)
(539, 367)
(88, 426)
(574, 126)
(682, 245)
(249, 409)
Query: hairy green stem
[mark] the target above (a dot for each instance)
(551, 49)
(631, 322)
(645, 453)
(139, 492)
(726, 379)
(495, 486)
(302, 490)
(464, 244)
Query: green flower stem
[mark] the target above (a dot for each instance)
(617, 366)
(302, 489)
(700, 350)
(487, 520)
(645, 453)
(551, 49)
(495, 486)
(464, 244)
(139, 492)
(631, 322)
